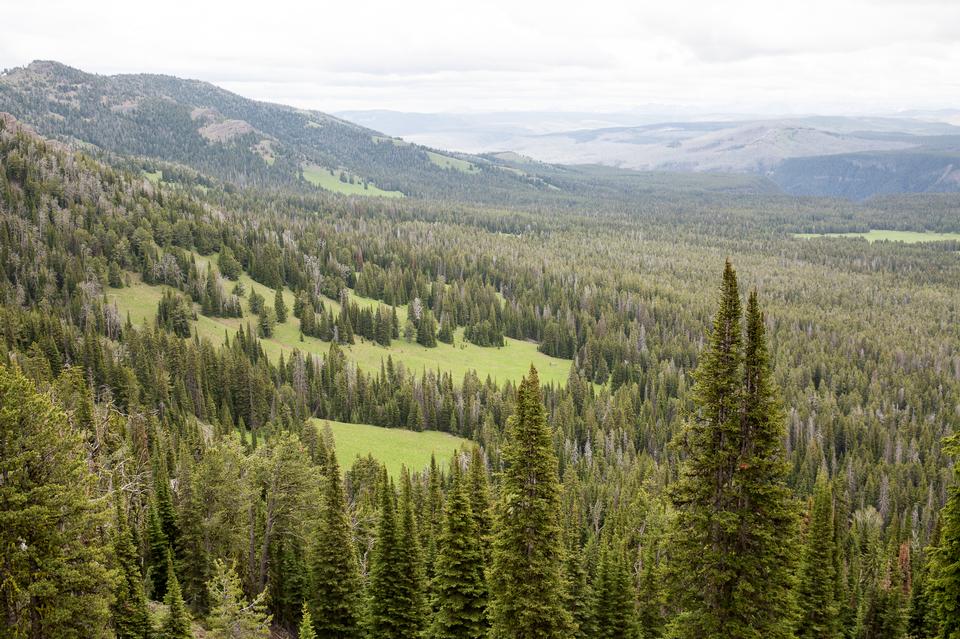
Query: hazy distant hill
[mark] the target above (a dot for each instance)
(854, 157)
(240, 140)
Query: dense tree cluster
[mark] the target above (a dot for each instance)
(789, 465)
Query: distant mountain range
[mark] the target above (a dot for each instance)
(488, 158)
(854, 157)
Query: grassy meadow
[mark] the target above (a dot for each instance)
(510, 362)
(392, 447)
(319, 176)
(876, 235)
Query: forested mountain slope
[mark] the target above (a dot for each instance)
(157, 476)
(242, 141)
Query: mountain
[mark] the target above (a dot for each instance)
(852, 157)
(243, 141)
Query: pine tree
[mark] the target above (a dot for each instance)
(459, 588)
(384, 571)
(769, 515)
(231, 615)
(480, 501)
(579, 600)
(526, 584)
(819, 610)
(412, 581)
(735, 522)
(945, 557)
(306, 624)
(334, 598)
(280, 306)
(614, 604)
(131, 619)
(176, 624)
(157, 559)
(922, 618)
(54, 581)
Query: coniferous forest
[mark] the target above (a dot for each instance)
(752, 436)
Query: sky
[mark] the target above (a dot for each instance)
(732, 56)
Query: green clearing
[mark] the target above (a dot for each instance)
(319, 176)
(876, 235)
(154, 176)
(377, 139)
(447, 162)
(510, 362)
(393, 447)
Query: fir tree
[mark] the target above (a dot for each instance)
(945, 557)
(736, 521)
(396, 591)
(480, 501)
(54, 580)
(280, 306)
(459, 588)
(614, 604)
(176, 623)
(819, 609)
(158, 548)
(427, 330)
(306, 624)
(334, 598)
(384, 569)
(922, 617)
(131, 619)
(526, 584)
(412, 581)
(231, 615)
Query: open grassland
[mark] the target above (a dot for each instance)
(908, 237)
(392, 447)
(509, 363)
(319, 176)
(447, 162)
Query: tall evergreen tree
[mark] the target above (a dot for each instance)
(819, 610)
(480, 501)
(334, 598)
(158, 549)
(736, 521)
(54, 580)
(412, 580)
(280, 306)
(614, 604)
(384, 569)
(131, 620)
(945, 557)
(460, 590)
(176, 623)
(526, 584)
(396, 584)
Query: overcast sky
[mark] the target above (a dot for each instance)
(784, 56)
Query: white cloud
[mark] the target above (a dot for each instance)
(748, 55)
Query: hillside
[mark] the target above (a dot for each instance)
(862, 175)
(850, 157)
(246, 142)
